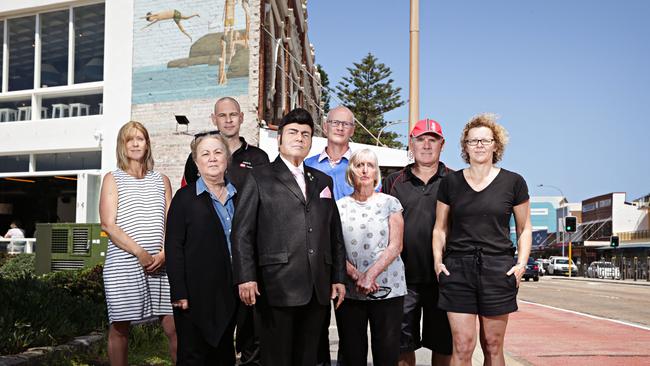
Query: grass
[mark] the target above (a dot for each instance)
(147, 347)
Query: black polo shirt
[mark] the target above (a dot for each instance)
(419, 201)
(243, 159)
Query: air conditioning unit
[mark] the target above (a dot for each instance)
(66, 246)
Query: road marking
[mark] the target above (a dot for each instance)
(607, 297)
(589, 315)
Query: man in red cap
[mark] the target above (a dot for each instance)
(416, 186)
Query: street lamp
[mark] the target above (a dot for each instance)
(561, 206)
(388, 125)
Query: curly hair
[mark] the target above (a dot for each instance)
(499, 134)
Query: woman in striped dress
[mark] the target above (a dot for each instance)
(132, 207)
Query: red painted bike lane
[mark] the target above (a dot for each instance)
(541, 335)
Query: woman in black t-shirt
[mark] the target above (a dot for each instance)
(478, 276)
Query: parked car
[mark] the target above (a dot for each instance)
(532, 270)
(560, 266)
(603, 270)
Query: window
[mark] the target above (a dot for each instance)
(68, 161)
(89, 43)
(2, 56)
(14, 163)
(55, 64)
(54, 48)
(589, 207)
(539, 211)
(21, 41)
(605, 203)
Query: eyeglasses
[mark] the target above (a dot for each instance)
(484, 142)
(336, 123)
(206, 133)
(381, 293)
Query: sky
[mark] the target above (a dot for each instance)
(570, 80)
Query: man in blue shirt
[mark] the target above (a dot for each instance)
(333, 161)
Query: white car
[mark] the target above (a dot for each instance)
(560, 266)
(603, 270)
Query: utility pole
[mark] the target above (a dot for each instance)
(414, 67)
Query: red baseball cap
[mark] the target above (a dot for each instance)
(426, 126)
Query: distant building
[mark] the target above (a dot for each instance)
(543, 213)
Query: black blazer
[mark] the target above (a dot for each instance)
(198, 262)
(291, 246)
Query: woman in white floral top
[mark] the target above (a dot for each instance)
(372, 226)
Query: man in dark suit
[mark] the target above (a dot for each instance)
(288, 250)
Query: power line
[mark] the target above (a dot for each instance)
(332, 92)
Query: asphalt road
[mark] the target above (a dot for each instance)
(620, 301)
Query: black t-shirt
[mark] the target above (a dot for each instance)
(482, 219)
(418, 200)
(243, 159)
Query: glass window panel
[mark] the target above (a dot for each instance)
(15, 111)
(89, 43)
(21, 52)
(54, 48)
(69, 161)
(14, 163)
(2, 41)
(73, 106)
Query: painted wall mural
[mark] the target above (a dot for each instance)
(190, 49)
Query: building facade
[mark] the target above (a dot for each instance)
(73, 72)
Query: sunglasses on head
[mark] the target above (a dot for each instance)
(206, 133)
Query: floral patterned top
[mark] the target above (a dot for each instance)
(366, 235)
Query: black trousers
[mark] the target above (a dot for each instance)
(385, 318)
(289, 335)
(246, 341)
(193, 348)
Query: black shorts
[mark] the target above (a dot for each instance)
(422, 299)
(478, 284)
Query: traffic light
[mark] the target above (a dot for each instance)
(570, 224)
(613, 241)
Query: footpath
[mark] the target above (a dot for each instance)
(543, 335)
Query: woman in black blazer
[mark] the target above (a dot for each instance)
(197, 244)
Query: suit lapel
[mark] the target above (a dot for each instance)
(311, 181)
(284, 175)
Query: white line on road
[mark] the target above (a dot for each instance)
(589, 315)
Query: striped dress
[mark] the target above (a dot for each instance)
(131, 294)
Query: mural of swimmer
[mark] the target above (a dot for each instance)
(176, 15)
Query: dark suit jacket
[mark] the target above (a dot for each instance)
(198, 262)
(291, 246)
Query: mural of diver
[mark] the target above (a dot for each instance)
(174, 15)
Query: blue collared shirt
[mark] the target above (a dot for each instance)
(225, 212)
(335, 170)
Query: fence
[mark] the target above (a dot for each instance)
(18, 245)
(633, 268)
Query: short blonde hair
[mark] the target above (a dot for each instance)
(362, 155)
(499, 134)
(125, 134)
(210, 135)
